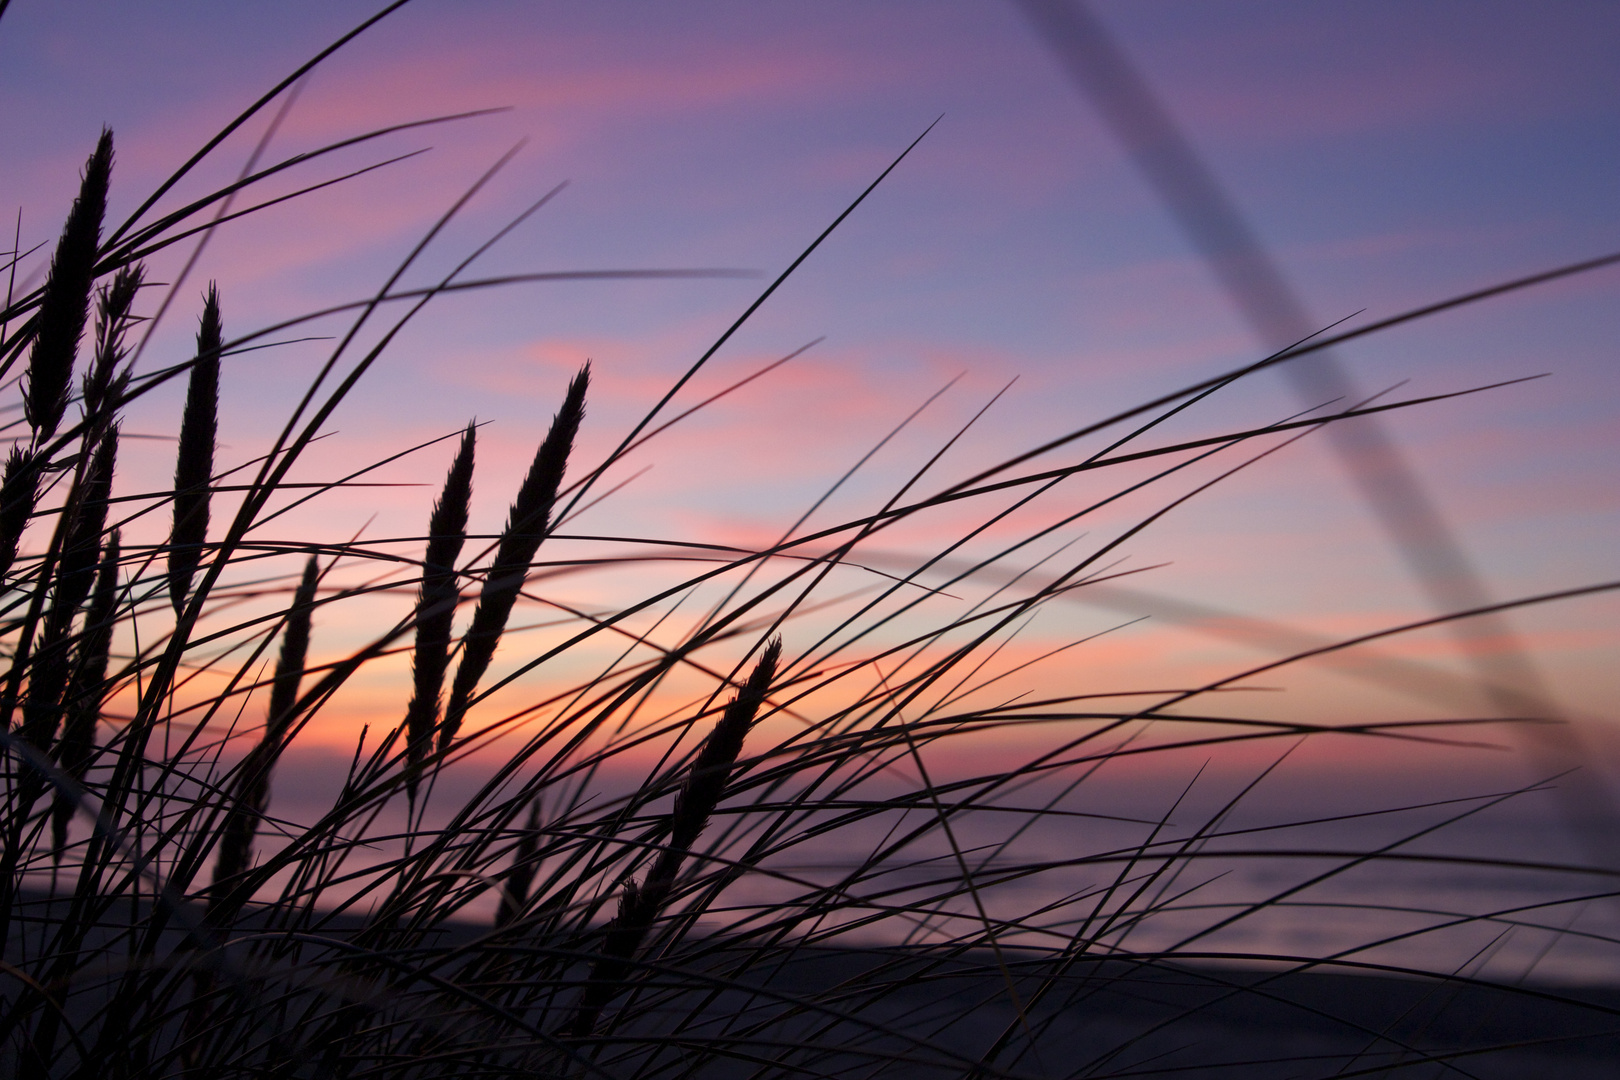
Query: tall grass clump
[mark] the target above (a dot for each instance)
(789, 811)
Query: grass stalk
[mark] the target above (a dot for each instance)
(88, 687)
(194, 462)
(19, 493)
(705, 786)
(81, 529)
(253, 775)
(104, 385)
(520, 877)
(65, 304)
(526, 527)
(436, 602)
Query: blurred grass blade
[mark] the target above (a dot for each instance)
(1390, 486)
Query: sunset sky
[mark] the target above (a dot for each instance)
(1387, 154)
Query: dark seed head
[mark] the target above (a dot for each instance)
(102, 383)
(65, 303)
(526, 526)
(436, 608)
(194, 463)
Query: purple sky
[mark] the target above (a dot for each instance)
(1388, 154)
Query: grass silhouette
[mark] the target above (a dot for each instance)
(738, 842)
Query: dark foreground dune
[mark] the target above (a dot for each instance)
(1131, 1019)
(717, 1008)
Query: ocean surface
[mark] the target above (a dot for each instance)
(1480, 883)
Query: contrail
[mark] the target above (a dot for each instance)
(1392, 490)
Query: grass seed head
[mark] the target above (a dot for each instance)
(194, 462)
(526, 527)
(294, 650)
(253, 777)
(87, 689)
(19, 493)
(640, 905)
(436, 607)
(518, 879)
(65, 303)
(79, 535)
(82, 549)
(103, 384)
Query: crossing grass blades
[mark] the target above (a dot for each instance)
(540, 916)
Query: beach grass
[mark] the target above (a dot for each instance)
(743, 824)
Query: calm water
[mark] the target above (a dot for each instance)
(1246, 892)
